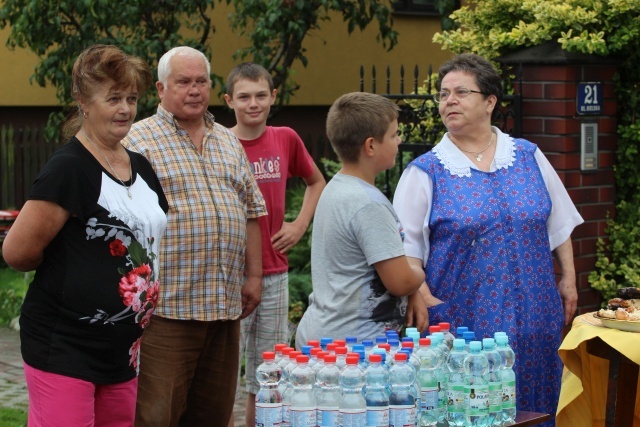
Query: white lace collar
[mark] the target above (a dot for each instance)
(456, 162)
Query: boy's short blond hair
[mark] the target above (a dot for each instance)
(356, 116)
(249, 71)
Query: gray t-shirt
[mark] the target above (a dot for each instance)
(354, 227)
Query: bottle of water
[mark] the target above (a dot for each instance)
(368, 348)
(288, 389)
(376, 379)
(414, 363)
(455, 386)
(324, 341)
(442, 375)
(445, 328)
(508, 377)
(350, 341)
(278, 351)
(360, 351)
(302, 412)
(352, 408)
(468, 337)
(268, 399)
(319, 361)
(439, 339)
(476, 387)
(328, 392)
(494, 380)
(401, 400)
(313, 356)
(429, 361)
(341, 357)
(460, 330)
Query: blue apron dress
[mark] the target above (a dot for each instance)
(490, 262)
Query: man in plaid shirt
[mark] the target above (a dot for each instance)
(210, 256)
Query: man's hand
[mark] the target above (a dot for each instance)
(251, 295)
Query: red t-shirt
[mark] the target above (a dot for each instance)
(278, 154)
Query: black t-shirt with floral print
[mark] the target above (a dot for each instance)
(97, 285)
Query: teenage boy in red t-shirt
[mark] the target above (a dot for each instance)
(275, 154)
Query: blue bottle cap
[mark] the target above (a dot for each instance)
(367, 343)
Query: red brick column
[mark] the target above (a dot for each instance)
(550, 120)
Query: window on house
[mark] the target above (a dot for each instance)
(415, 7)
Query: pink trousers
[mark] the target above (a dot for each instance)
(58, 400)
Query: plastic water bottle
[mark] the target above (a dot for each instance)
(328, 392)
(368, 348)
(414, 363)
(476, 387)
(401, 400)
(324, 341)
(468, 337)
(494, 380)
(460, 330)
(455, 386)
(341, 357)
(429, 361)
(302, 412)
(350, 341)
(278, 351)
(508, 377)
(445, 328)
(439, 337)
(268, 399)
(353, 407)
(288, 389)
(376, 379)
(442, 375)
(313, 356)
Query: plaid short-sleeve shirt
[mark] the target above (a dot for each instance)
(211, 196)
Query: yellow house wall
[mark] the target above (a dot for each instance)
(334, 57)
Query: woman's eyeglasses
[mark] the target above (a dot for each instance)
(459, 93)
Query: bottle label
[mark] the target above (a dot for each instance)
(508, 394)
(285, 415)
(442, 396)
(455, 398)
(477, 399)
(303, 416)
(377, 416)
(268, 414)
(495, 396)
(428, 398)
(328, 417)
(356, 417)
(402, 416)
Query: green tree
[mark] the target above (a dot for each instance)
(600, 27)
(58, 30)
(277, 28)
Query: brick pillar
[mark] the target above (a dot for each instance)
(549, 88)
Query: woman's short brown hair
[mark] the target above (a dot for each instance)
(99, 64)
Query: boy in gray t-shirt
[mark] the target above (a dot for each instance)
(360, 274)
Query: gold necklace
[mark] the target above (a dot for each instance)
(128, 188)
(478, 154)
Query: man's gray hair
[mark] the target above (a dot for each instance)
(164, 65)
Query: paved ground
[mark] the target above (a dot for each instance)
(13, 390)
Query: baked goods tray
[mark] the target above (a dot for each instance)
(622, 325)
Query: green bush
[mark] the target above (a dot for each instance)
(13, 287)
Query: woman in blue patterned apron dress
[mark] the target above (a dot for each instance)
(485, 213)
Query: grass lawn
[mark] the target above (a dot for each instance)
(10, 417)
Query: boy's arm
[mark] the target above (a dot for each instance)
(399, 276)
(292, 232)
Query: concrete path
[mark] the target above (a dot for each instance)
(13, 389)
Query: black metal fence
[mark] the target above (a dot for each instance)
(420, 124)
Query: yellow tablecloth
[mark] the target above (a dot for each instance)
(583, 394)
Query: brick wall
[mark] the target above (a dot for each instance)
(550, 120)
